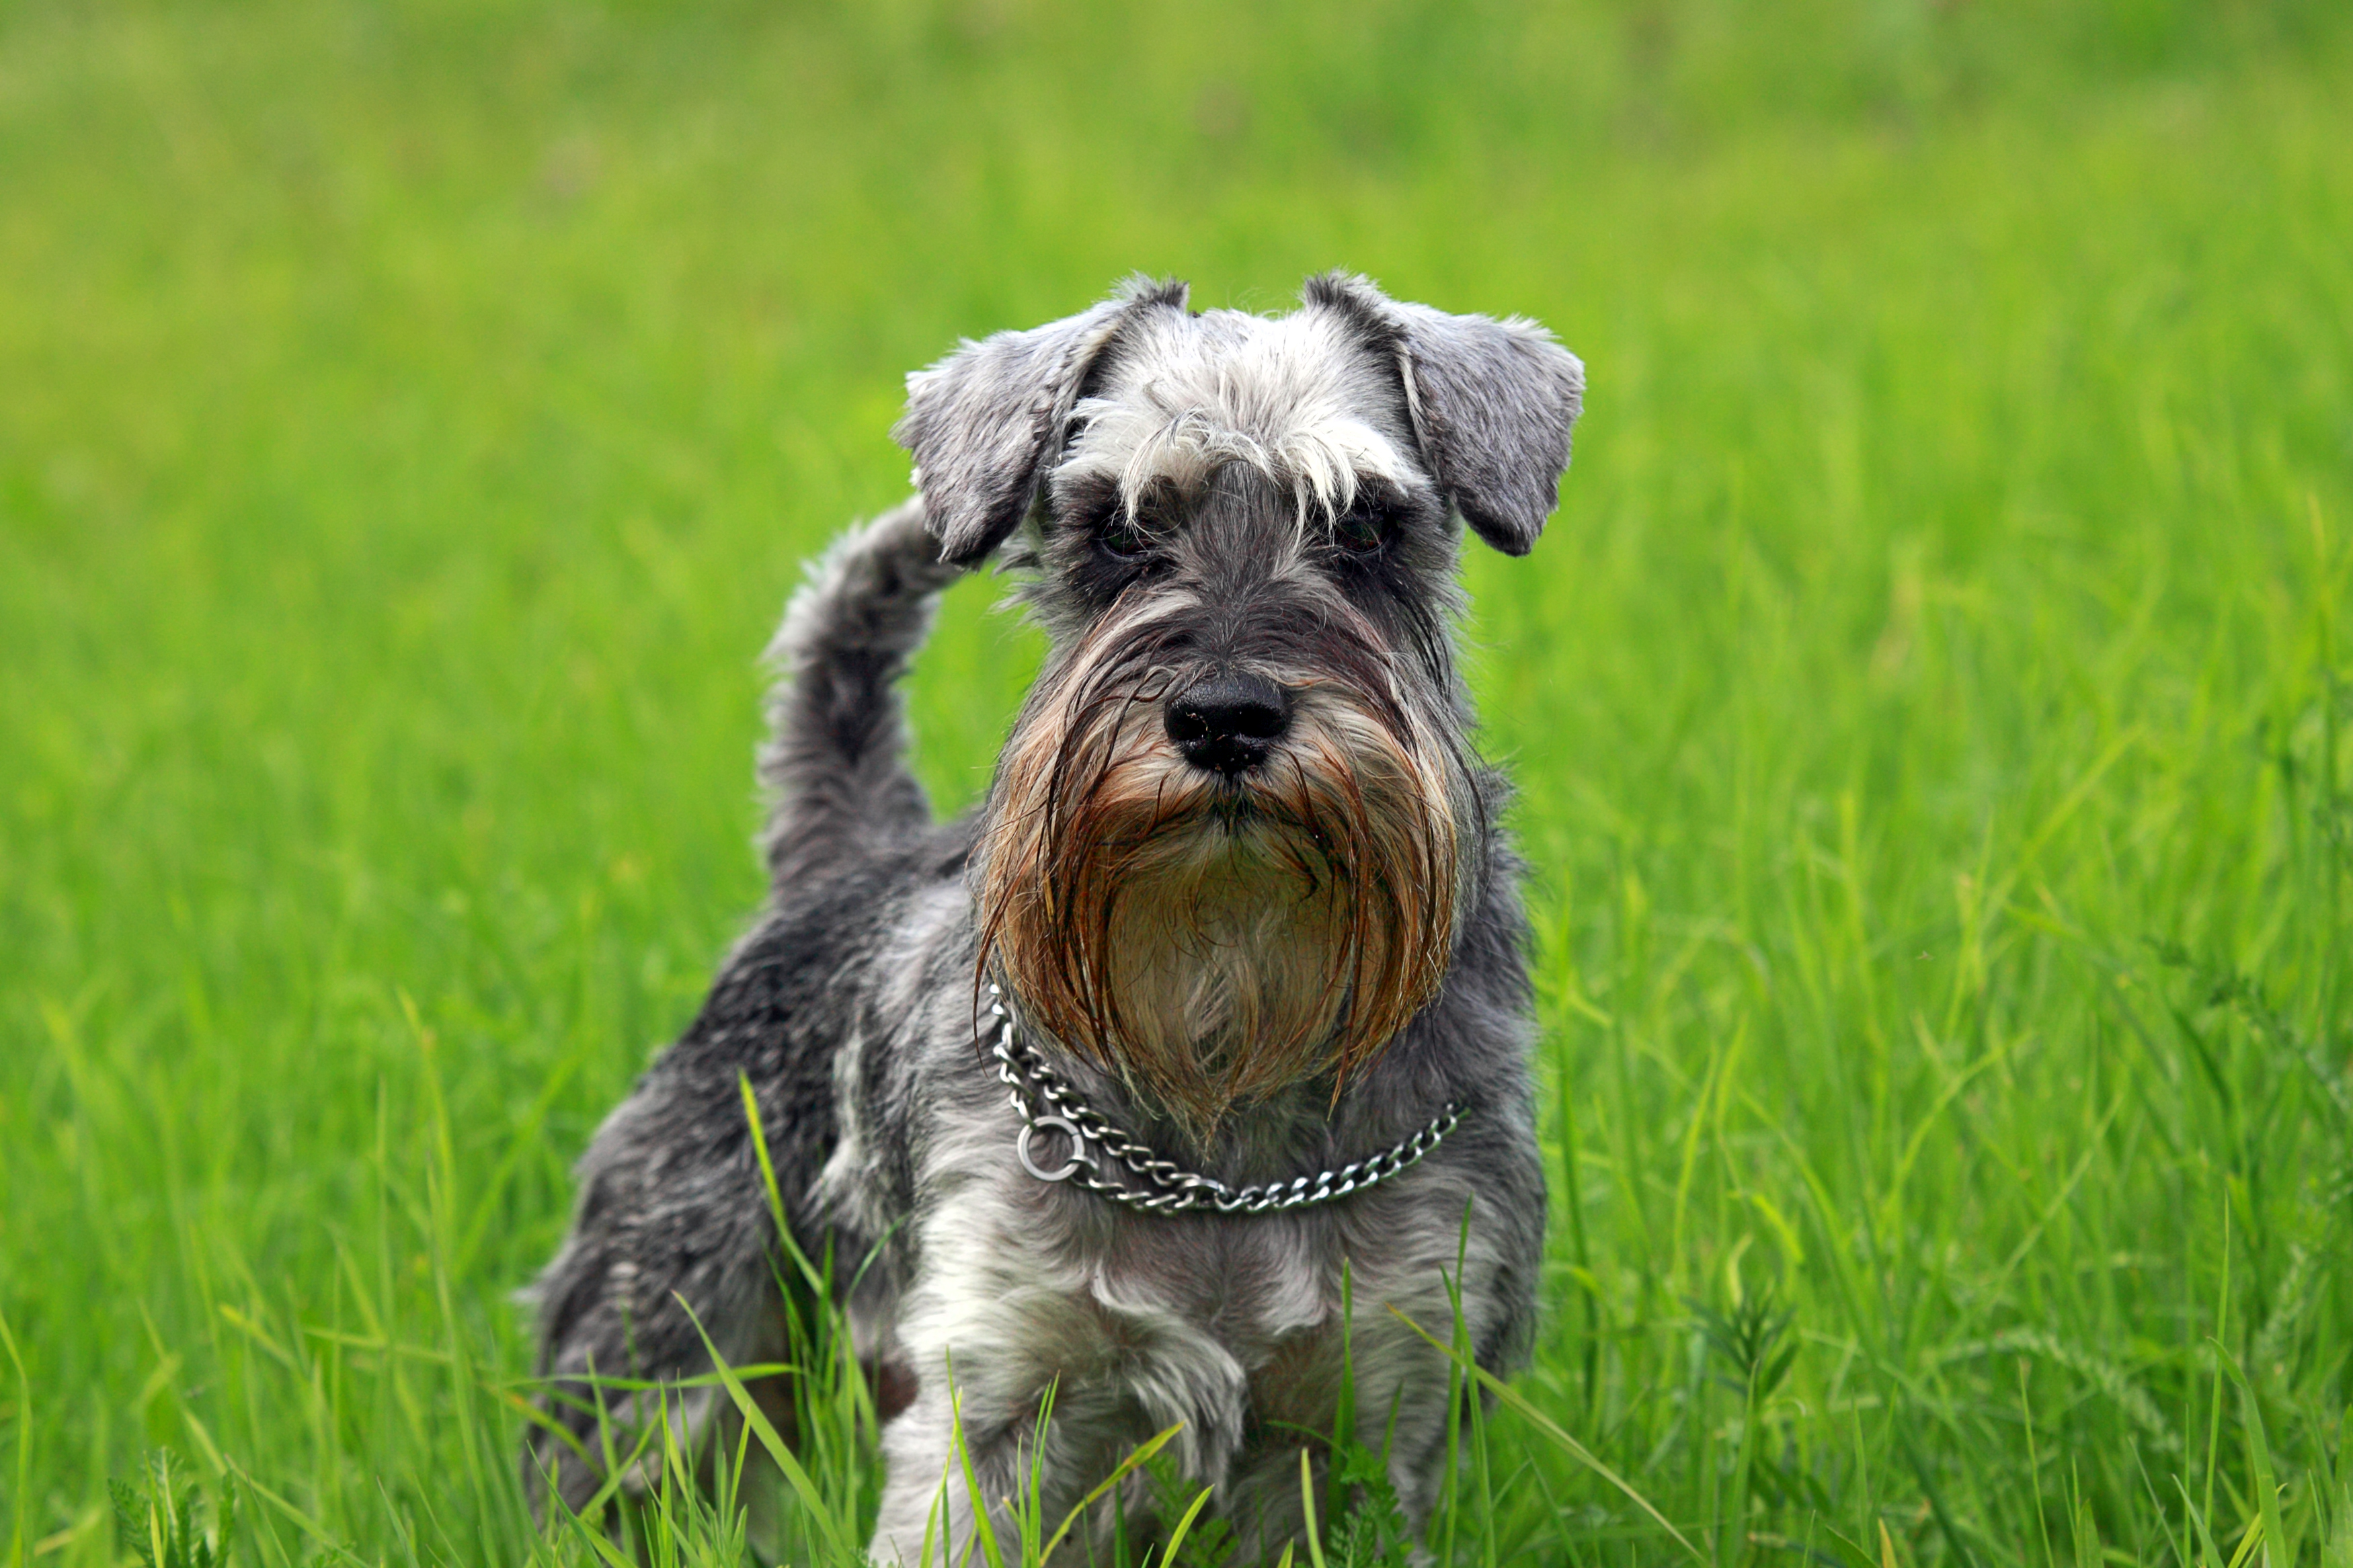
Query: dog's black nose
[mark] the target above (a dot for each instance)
(1229, 721)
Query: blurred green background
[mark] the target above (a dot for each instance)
(1927, 700)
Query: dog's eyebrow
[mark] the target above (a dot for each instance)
(1379, 490)
(1082, 489)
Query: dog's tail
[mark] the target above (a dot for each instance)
(835, 764)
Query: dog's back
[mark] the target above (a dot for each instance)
(672, 1208)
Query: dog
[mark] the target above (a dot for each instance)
(1219, 998)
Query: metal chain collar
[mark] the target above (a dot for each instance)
(1170, 1188)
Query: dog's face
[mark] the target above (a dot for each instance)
(1231, 832)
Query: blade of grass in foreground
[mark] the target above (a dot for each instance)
(1183, 1526)
(749, 1408)
(1307, 1504)
(983, 1533)
(2281, 1545)
(23, 1490)
(1544, 1423)
(1140, 1455)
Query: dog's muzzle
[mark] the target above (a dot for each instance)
(1228, 722)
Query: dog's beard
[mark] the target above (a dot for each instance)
(1215, 941)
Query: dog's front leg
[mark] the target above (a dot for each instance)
(926, 1502)
(1009, 1312)
(989, 1417)
(992, 1321)
(1402, 1380)
(973, 1444)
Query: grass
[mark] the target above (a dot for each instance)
(1930, 706)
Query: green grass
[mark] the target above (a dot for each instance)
(1930, 703)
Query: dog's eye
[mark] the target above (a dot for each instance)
(1119, 535)
(1364, 528)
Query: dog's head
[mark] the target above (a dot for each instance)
(1229, 838)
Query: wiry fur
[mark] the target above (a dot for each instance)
(1214, 940)
(1303, 401)
(1261, 973)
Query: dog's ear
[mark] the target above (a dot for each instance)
(1493, 404)
(983, 420)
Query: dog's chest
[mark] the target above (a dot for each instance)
(1243, 1316)
(1255, 1283)
(1209, 1320)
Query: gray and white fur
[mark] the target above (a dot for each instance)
(1241, 873)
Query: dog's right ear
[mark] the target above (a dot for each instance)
(982, 421)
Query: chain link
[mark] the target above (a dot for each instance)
(1173, 1189)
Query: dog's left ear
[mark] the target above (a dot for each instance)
(1493, 404)
(981, 422)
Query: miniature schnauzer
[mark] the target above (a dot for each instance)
(1220, 994)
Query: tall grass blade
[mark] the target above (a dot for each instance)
(1184, 1527)
(1137, 1457)
(813, 1502)
(1307, 1507)
(1553, 1432)
(984, 1533)
(20, 1499)
(2281, 1545)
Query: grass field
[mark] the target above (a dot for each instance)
(1930, 702)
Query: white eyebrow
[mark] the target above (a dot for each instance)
(1182, 422)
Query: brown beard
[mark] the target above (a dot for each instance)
(1215, 942)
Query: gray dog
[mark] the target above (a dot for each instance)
(1219, 995)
